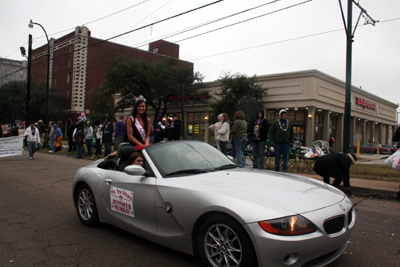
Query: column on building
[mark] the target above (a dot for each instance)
(371, 131)
(339, 132)
(381, 134)
(310, 126)
(362, 132)
(353, 138)
(327, 123)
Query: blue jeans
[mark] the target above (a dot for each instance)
(233, 151)
(284, 150)
(239, 147)
(222, 145)
(98, 147)
(52, 147)
(79, 150)
(89, 146)
(32, 146)
(259, 155)
(107, 148)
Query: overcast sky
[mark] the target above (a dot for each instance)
(289, 35)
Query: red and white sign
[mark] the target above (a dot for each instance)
(365, 103)
(122, 201)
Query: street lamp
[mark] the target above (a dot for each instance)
(46, 116)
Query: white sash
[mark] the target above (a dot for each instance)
(140, 129)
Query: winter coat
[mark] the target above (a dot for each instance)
(32, 137)
(259, 130)
(215, 127)
(336, 165)
(57, 130)
(108, 133)
(223, 132)
(278, 135)
(175, 130)
(239, 129)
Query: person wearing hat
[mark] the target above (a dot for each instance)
(175, 129)
(336, 165)
(282, 139)
(120, 132)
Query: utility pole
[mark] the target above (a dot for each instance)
(28, 82)
(350, 40)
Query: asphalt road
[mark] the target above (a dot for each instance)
(39, 225)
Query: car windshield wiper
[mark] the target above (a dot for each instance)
(188, 171)
(227, 166)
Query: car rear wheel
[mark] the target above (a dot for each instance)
(86, 206)
(222, 241)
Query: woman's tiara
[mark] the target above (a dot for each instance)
(140, 98)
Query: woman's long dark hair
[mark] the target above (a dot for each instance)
(144, 116)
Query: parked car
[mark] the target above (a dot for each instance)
(391, 147)
(192, 198)
(371, 148)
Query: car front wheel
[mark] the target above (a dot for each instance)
(222, 241)
(86, 206)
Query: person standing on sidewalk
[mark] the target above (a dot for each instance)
(51, 137)
(98, 130)
(239, 132)
(223, 133)
(32, 139)
(282, 139)
(336, 165)
(70, 133)
(107, 136)
(89, 137)
(259, 135)
(120, 132)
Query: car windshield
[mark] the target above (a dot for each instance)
(187, 158)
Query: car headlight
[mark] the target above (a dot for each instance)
(292, 225)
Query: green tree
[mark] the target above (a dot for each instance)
(186, 89)
(238, 92)
(13, 102)
(159, 82)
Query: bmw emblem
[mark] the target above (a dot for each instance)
(168, 208)
(342, 207)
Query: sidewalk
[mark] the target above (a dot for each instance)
(373, 188)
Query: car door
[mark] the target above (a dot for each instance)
(130, 198)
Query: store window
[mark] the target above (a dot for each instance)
(196, 125)
(269, 115)
(299, 134)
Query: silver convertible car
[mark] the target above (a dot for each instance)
(192, 198)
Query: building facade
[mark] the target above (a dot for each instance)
(79, 64)
(12, 70)
(315, 104)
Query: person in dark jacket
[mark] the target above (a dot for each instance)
(159, 129)
(175, 129)
(336, 165)
(71, 130)
(282, 139)
(107, 136)
(259, 135)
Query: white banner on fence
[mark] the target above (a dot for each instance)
(11, 146)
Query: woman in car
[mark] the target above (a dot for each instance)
(138, 124)
(136, 159)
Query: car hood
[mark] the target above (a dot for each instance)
(284, 193)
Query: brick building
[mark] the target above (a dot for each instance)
(79, 64)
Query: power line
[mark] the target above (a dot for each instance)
(246, 20)
(112, 14)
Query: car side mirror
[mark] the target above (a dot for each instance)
(134, 170)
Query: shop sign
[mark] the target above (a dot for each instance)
(364, 103)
